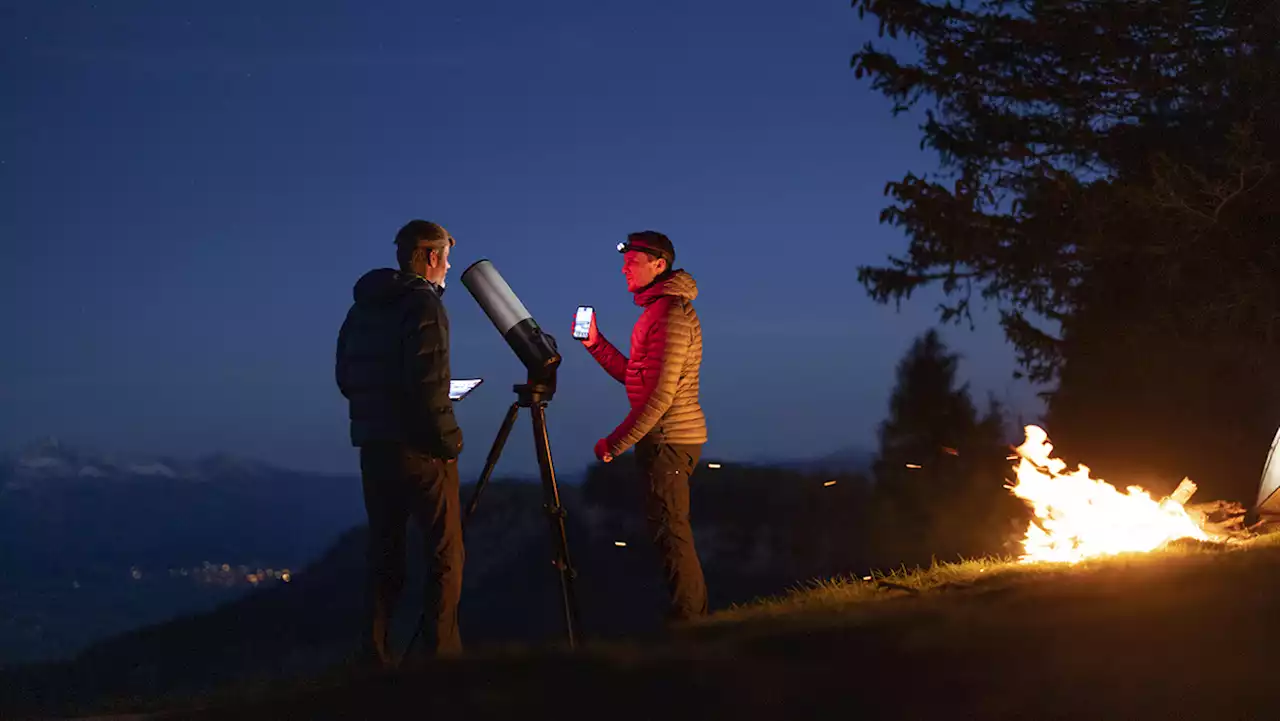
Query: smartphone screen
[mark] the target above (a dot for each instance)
(582, 322)
(458, 389)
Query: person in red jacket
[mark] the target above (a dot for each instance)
(666, 424)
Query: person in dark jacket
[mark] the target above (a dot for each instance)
(666, 424)
(393, 368)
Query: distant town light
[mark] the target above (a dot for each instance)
(620, 544)
(226, 567)
(284, 576)
(913, 465)
(829, 483)
(713, 465)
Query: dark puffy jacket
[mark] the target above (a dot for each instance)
(393, 365)
(661, 374)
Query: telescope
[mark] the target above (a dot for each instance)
(537, 351)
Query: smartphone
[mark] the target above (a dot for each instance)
(459, 389)
(582, 322)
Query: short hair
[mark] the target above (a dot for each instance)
(420, 234)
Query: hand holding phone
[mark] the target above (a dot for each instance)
(584, 325)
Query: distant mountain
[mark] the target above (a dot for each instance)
(93, 543)
(50, 461)
(64, 512)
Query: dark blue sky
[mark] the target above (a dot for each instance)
(190, 189)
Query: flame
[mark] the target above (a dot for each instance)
(1079, 517)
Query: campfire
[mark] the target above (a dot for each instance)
(1078, 517)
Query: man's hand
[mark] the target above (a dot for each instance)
(602, 450)
(593, 335)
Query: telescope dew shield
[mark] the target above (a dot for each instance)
(535, 349)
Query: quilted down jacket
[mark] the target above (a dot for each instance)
(393, 365)
(661, 373)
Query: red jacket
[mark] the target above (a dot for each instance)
(661, 374)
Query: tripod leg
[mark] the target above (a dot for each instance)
(498, 442)
(555, 514)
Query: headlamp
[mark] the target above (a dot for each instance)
(625, 246)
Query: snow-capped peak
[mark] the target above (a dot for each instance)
(41, 462)
(50, 460)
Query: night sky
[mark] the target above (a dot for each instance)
(190, 189)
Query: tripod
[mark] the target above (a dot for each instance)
(533, 395)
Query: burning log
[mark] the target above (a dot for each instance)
(1183, 492)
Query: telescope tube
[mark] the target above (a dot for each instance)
(535, 349)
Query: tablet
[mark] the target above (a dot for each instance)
(461, 388)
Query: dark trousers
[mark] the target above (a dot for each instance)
(668, 468)
(400, 482)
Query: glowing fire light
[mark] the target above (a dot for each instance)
(828, 484)
(1079, 517)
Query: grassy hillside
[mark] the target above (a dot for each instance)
(1186, 633)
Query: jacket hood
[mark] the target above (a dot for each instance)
(677, 284)
(386, 285)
